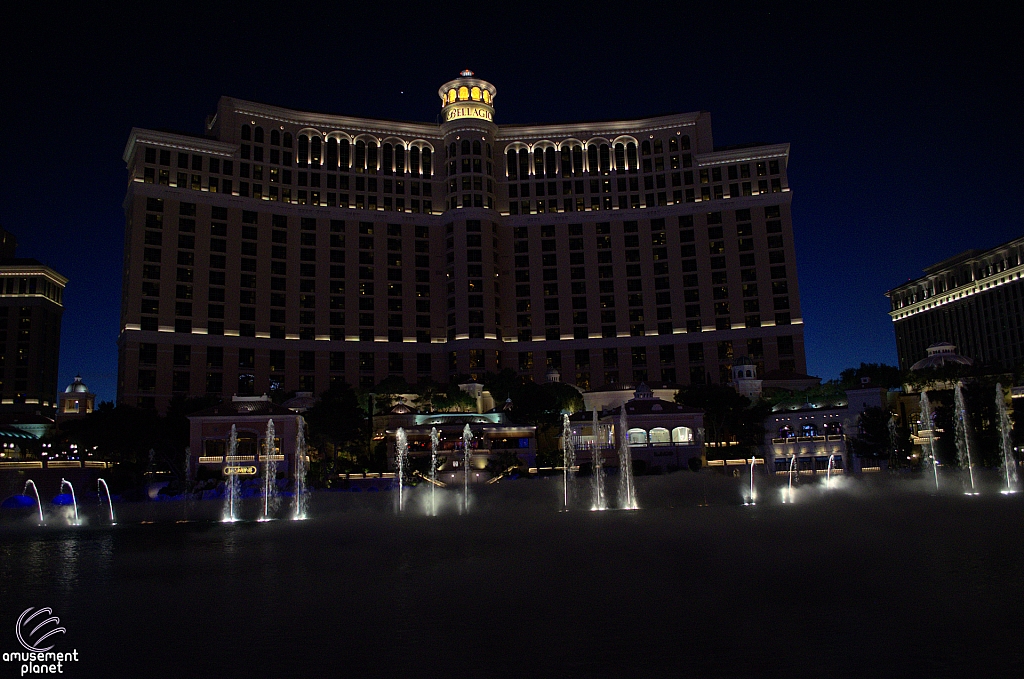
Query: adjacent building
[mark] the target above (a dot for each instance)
(974, 300)
(286, 250)
(31, 306)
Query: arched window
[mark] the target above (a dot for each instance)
(524, 164)
(488, 150)
(673, 144)
(786, 432)
(451, 150)
(476, 147)
(258, 137)
(414, 161)
(371, 157)
(645, 147)
(550, 161)
(475, 93)
(660, 436)
(808, 429)
(343, 154)
(386, 158)
(331, 154)
(605, 160)
(246, 133)
(636, 437)
(684, 141)
(287, 143)
(592, 163)
(400, 159)
(566, 161)
(303, 150)
(428, 169)
(631, 156)
(465, 147)
(577, 160)
(463, 93)
(620, 157)
(275, 138)
(682, 435)
(658, 148)
(511, 166)
(360, 159)
(538, 162)
(314, 151)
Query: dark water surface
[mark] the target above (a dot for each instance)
(876, 579)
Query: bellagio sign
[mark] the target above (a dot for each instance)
(469, 111)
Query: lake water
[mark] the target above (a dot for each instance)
(878, 578)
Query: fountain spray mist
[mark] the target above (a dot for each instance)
(926, 422)
(597, 466)
(35, 490)
(231, 485)
(301, 466)
(963, 433)
(269, 472)
(401, 457)
(74, 500)
(434, 443)
(467, 446)
(568, 460)
(1005, 444)
(627, 491)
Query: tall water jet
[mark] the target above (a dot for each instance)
(467, 456)
(893, 444)
(627, 491)
(231, 489)
(269, 472)
(101, 483)
(792, 470)
(753, 497)
(568, 460)
(74, 500)
(828, 470)
(597, 465)
(1005, 444)
(963, 434)
(926, 422)
(401, 458)
(301, 496)
(435, 442)
(35, 490)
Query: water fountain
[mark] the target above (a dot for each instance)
(401, 458)
(752, 497)
(792, 471)
(269, 472)
(828, 471)
(231, 489)
(74, 500)
(467, 446)
(35, 490)
(627, 491)
(100, 483)
(926, 422)
(963, 435)
(434, 443)
(568, 460)
(1005, 444)
(597, 466)
(301, 496)
(894, 460)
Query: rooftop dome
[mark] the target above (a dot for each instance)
(77, 387)
(940, 354)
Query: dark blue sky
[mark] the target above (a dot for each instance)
(904, 127)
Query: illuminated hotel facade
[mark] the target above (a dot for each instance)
(287, 250)
(974, 300)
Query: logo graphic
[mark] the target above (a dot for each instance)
(45, 628)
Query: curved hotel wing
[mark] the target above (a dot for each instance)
(287, 250)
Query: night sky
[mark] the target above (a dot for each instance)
(904, 127)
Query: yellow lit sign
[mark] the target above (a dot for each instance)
(469, 111)
(240, 471)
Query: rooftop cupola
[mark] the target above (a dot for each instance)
(467, 97)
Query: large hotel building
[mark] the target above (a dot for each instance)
(286, 250)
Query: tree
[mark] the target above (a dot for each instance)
(872, 437)
(727, 414)
(879, 374)
(338, 424)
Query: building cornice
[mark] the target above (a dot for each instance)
(743, 155)
(598, 129)
(181, 142)
(330, 122)
(33, 270)
(958, 293)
